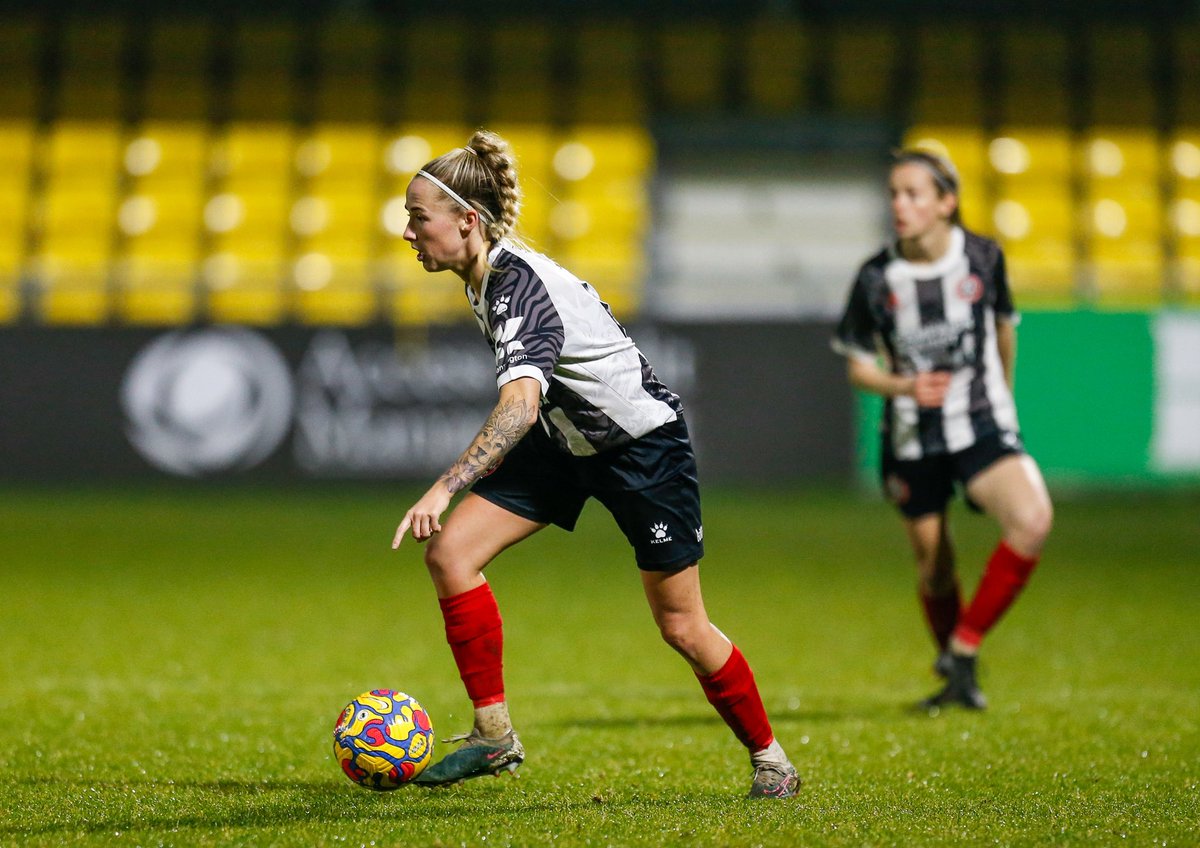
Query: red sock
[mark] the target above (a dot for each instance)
(476, 636)
(1003, 579)
(942, 612)
(734, 693)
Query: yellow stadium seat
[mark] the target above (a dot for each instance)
(21, 94)
(521, 57)
(609, 77)
(150, 290)
(863, 61)
(692, 65)
(92, 42)
(17, 144)
(168, 154)
(10, 296)
(263, 95)
(948, 70)
(177, 97)
(163, 225)
(414, 297)
(437, 58)
(255, 152)
(1035, 75)
(1036, 227)
(1125, 243)
(245, 289)
(78, 226)
(82, 154)
(1120, 153)
(964, 144)
(1185, 68)
(342, 225)
(1031, 155)
(70, 293)
(265, 43)
(179, 46)
(90, 57)
(345, 96)
(14, 218)
(341, 155)
(1120, 71)
(249, 224)
(349, 45)
(614, 271)
(1182, 156)
(333, 292)
(776, 61)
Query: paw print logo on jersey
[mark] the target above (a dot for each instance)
(659, 534)
(500, 305)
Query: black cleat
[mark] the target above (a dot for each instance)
(772, 780)
(478, 757)
(943, 665)
(961, 688)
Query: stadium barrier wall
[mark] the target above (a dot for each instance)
(1104, 398)
(765, 402)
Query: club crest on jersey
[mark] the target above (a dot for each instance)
(500, 305)
(970, 288)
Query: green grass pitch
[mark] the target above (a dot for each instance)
(174, 660)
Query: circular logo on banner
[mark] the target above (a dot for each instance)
(208, 400)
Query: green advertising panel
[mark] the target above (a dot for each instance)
(1103, 397)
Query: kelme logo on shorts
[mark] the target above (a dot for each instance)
(658, 533)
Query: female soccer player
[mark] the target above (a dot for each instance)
(580, 414)
(936, 305)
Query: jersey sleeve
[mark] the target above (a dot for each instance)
(1003, 306)
(528, 330)
(856, 331)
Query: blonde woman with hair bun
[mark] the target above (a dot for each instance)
(580, 414)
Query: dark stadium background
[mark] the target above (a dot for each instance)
(714, 168)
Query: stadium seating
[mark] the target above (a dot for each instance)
(179, 168)
(776, 60)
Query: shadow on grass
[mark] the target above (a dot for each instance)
(234, 804)
(856, 711)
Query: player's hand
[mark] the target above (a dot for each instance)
(424, 519)
(929, 388)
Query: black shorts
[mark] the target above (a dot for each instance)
(922, 486)
(649, 486)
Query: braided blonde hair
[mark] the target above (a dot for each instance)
(484, 174)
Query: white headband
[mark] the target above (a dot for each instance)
(448, 190)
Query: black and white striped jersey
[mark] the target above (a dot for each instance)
(936, 316)
(598, 391)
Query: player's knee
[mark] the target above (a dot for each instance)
(438, 559)
(1031, 526)
(680, 633)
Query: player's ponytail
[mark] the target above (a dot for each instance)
(482, 175)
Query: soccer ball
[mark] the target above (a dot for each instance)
(383, 739)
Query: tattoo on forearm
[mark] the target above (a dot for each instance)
(507, 424)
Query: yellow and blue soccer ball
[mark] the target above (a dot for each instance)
(383, 739)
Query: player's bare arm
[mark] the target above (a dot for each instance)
(928, 387)
(1006, 346)
(514, 414)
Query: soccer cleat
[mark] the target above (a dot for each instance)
(943, 665)
(960, 688)
(772, 780)
(476, 758)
